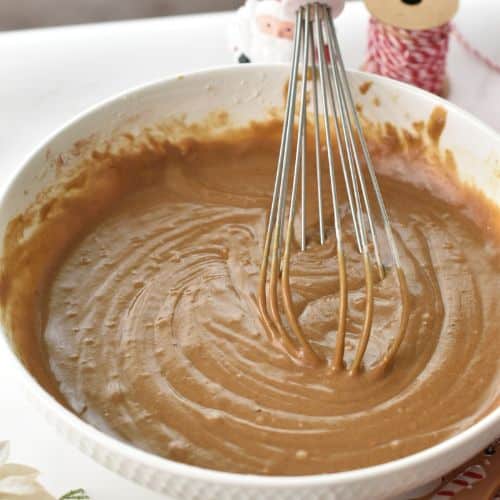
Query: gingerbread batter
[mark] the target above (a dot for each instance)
(130, 294)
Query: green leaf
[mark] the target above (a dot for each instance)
(78, 494)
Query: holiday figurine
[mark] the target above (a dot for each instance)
(263, 29)
(263, 32)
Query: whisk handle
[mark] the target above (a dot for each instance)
(336, 6)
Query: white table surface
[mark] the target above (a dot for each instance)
(49, 75)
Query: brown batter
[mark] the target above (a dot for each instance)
(130, 293)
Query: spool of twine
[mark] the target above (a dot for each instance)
(417, 57)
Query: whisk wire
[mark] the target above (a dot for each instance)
(353, 180)
(275, 332)
(403, 285)
(299, 169)
(343, 291)
(349, 115)
(317, 140)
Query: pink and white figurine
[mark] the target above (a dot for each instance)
(263, 29)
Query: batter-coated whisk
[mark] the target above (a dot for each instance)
(333, 118)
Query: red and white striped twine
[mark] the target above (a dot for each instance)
(469, 48)
(417, 57)
(411, 56)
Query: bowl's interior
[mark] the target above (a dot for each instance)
(245, 94)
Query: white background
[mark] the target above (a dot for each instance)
(49, 75)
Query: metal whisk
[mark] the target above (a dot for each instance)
(333, 118)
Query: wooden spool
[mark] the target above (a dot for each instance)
(413, 14)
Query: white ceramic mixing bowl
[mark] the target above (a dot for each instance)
(246, 93)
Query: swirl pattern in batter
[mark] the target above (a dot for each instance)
(150, 329)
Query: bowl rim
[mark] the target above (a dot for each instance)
(130, 452)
